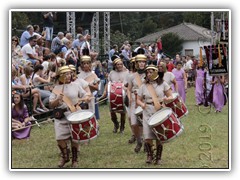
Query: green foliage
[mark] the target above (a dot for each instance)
(118, 38)
(19, 22)
(149, 26)
(172, 44)
(169, 19)
(198, 18)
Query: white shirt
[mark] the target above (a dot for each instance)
(27, 49)
(45, 65)
(85, 44)
(189, 64)
(69, 51)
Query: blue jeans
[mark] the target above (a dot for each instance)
(33, 61)
(45, 96)
(49, 33)
(126, 63)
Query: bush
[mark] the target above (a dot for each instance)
(172, 44)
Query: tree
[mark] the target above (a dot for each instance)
(148, 26)
(19, 22)
(118, 38)
(198, 18)
(169, 19)
(172, 44)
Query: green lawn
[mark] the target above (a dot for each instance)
(203, 144)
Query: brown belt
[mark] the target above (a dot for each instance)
(58, 113)
(151, 103)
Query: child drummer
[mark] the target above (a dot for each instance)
(150, 96)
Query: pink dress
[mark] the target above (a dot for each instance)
(199, 96)
(20, 116)
(179, 75)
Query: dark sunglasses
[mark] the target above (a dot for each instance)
(15, 40)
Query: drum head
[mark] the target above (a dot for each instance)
(79, 116)
(138, 110)
(174, 95)
(160, 116)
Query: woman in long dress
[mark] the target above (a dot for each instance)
(199, 90)
(168, 77)
(20, 118)
(219, 97)
(181, 79)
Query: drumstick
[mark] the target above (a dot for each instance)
(63, 84)
(101, 100)
(84, 99)
(31, 125)
(35, 120)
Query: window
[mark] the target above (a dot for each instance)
(189, 52)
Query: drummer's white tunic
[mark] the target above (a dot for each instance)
(132, 81)
(115, 76)
(150, 109)
(84, 75)
(168, 78)
(73, 91)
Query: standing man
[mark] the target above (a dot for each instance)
(48, 26)
(126, 55)
(86, 44)
(112, 52)
(159, 48)
(189, 69)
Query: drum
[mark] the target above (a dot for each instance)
(165, 125)
(138, 112)
(84, 126)
(116, 95)
(177, 105)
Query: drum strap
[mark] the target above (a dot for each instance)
(66, 100)
(138, 80)
(139, 83)
(153, 94)
(91, 78)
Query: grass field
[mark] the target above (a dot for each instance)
(203, 144)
